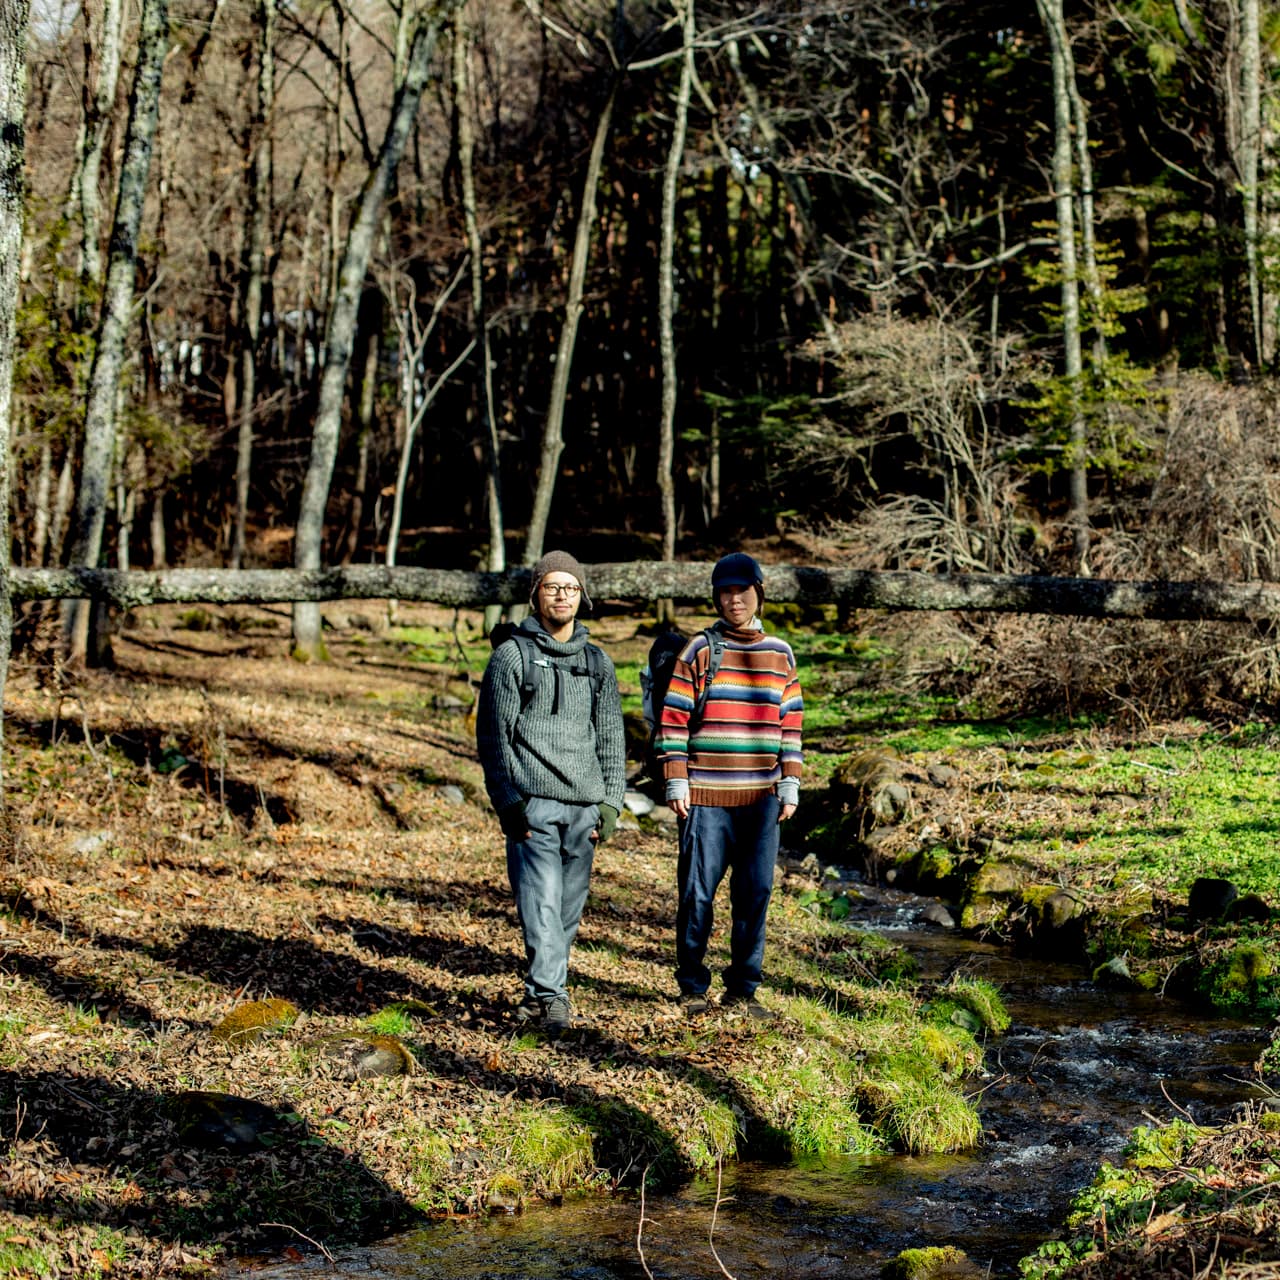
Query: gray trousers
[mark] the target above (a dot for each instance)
(550, 871)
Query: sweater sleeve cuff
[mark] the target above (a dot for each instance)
(676, 767)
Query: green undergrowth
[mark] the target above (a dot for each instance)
(1149, 1183)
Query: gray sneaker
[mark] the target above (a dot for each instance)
(739, 1002)
(557, 1015)
(529, 1009)
(693, 1003)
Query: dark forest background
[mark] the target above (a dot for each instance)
(952, 284)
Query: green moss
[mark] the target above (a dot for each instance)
(390, 1022)
(249, 1022)
(24, 1259)
(979, 999)
(920, 1264)
(1243, 981)
(1161, 1146)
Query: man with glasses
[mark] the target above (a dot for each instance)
(549, 730)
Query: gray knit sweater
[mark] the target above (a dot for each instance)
(553, 750)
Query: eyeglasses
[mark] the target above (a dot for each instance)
(569, 589)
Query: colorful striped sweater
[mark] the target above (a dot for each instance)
(749, 733)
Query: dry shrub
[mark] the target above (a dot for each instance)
(1208, 508)
(926, 394)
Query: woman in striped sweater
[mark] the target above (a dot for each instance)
(732, 775)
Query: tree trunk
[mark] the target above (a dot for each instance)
(102, 50)
(41, 504)
(60, 517)
(257, 243)
(364, 436)
(497, 558)
(1250, 136)
(553, 429)
(341, 324)
(13, 98)
(1064, 187)
(113, 327)
(666, 297)
(903, 590)
(159, 543)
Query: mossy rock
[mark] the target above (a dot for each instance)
(207, 1118)
(1061, 908)
(868, 785)
(1001, 877)
(981, 910)
(248, 1023)
(938, 871)
(504, 1195)
(360, 1057)
(1250, 906)
(1114, 973)
(931, 1263)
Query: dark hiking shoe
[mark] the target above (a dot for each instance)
(557, 1015)
(529, 1010)
(693, 1003)
(739, 1002)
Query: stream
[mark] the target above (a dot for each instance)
(1079, 1067)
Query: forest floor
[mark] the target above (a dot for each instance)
(211, 823)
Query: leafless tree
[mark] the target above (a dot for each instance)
(416, 34)
(117, 308)
(14, 16)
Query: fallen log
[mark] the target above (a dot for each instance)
(645, 581)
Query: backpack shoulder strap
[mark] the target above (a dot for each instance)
(596, 670)
(530, 671)
(715, 656)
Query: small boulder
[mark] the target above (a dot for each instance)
(1114, 973)
(221, 1120)
(1061, 908)
(247, 1023)
(638, 803)
(1209, 899)
(936, 914)
(359, 1057)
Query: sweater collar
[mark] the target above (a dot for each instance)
(743, 635)
(567, 648)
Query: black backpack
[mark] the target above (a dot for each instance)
(655, 679)
(533, 664)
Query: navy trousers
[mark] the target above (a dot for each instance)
(744, 842)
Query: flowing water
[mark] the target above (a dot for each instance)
(1079, 1068)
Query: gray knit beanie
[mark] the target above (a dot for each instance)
(557, 562)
